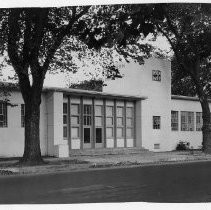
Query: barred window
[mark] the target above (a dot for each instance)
(174, 120)
(156, 122)
(156, 75)
(199, 121)
(187, 121)
(22, 115)
(64, 120)
(3, 115)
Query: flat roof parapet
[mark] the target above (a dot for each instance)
(81, 92)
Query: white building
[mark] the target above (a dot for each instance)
(137, 110)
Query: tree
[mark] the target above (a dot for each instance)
(32, 37)
(187, 28)
(181, 83)
(92, 84)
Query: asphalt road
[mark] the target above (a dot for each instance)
(167, 183)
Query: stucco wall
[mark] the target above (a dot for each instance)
(137, 80)
(194, 137)
(12, 136)
(56, 144)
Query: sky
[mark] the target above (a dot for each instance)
(62, 79)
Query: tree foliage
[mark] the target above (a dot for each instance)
(92, 84)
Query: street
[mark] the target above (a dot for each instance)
(190, 182)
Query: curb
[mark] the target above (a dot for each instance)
(94, 166)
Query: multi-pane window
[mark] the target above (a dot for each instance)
(120, 121)
(174, 120)
(98, 123)
(187, 121)
(199, 121)
(156, 75)
(156, 122)
(87, 114)
(22, 115)
(64, 120)
(129, 122)
(109, 121)
(75, 120)
(3, 115)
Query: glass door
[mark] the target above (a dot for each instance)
(87, 126)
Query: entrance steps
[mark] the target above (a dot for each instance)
(108, 151)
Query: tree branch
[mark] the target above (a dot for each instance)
(62, 33)
(13, 38)
(39, 26)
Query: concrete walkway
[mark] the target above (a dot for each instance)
(89, 162)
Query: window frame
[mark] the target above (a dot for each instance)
(131, 118)
(186, 125)
(156, 75)
(87, 115)
(98, 115)
(4, 114)
(174, 121)
(156, 126)
(110, 117)
(120, 116)
(65, 125)
(199, 124)
(22, 115)
(77, 126)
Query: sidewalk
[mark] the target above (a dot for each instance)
(90, 162)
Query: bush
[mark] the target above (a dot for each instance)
(183, 145)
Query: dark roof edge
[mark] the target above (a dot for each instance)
(81, 92)
(187, 98)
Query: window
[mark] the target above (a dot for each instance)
(87, 135)
(156, 122)
(199, 121)
(64, 120)
(120, 121)
(174, 120)
(98, 135)
(156, 146)
(22, 115)
(3, 115)
(98, 123)
(75, 120)
(129, 122)
(109, 121)
(75, 132)
(187, 121)
(87, 114)
(156, 75)
(109, 132)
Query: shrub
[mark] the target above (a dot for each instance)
(183, 145)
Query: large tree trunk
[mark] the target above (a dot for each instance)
(206, 129)
(32, 152)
